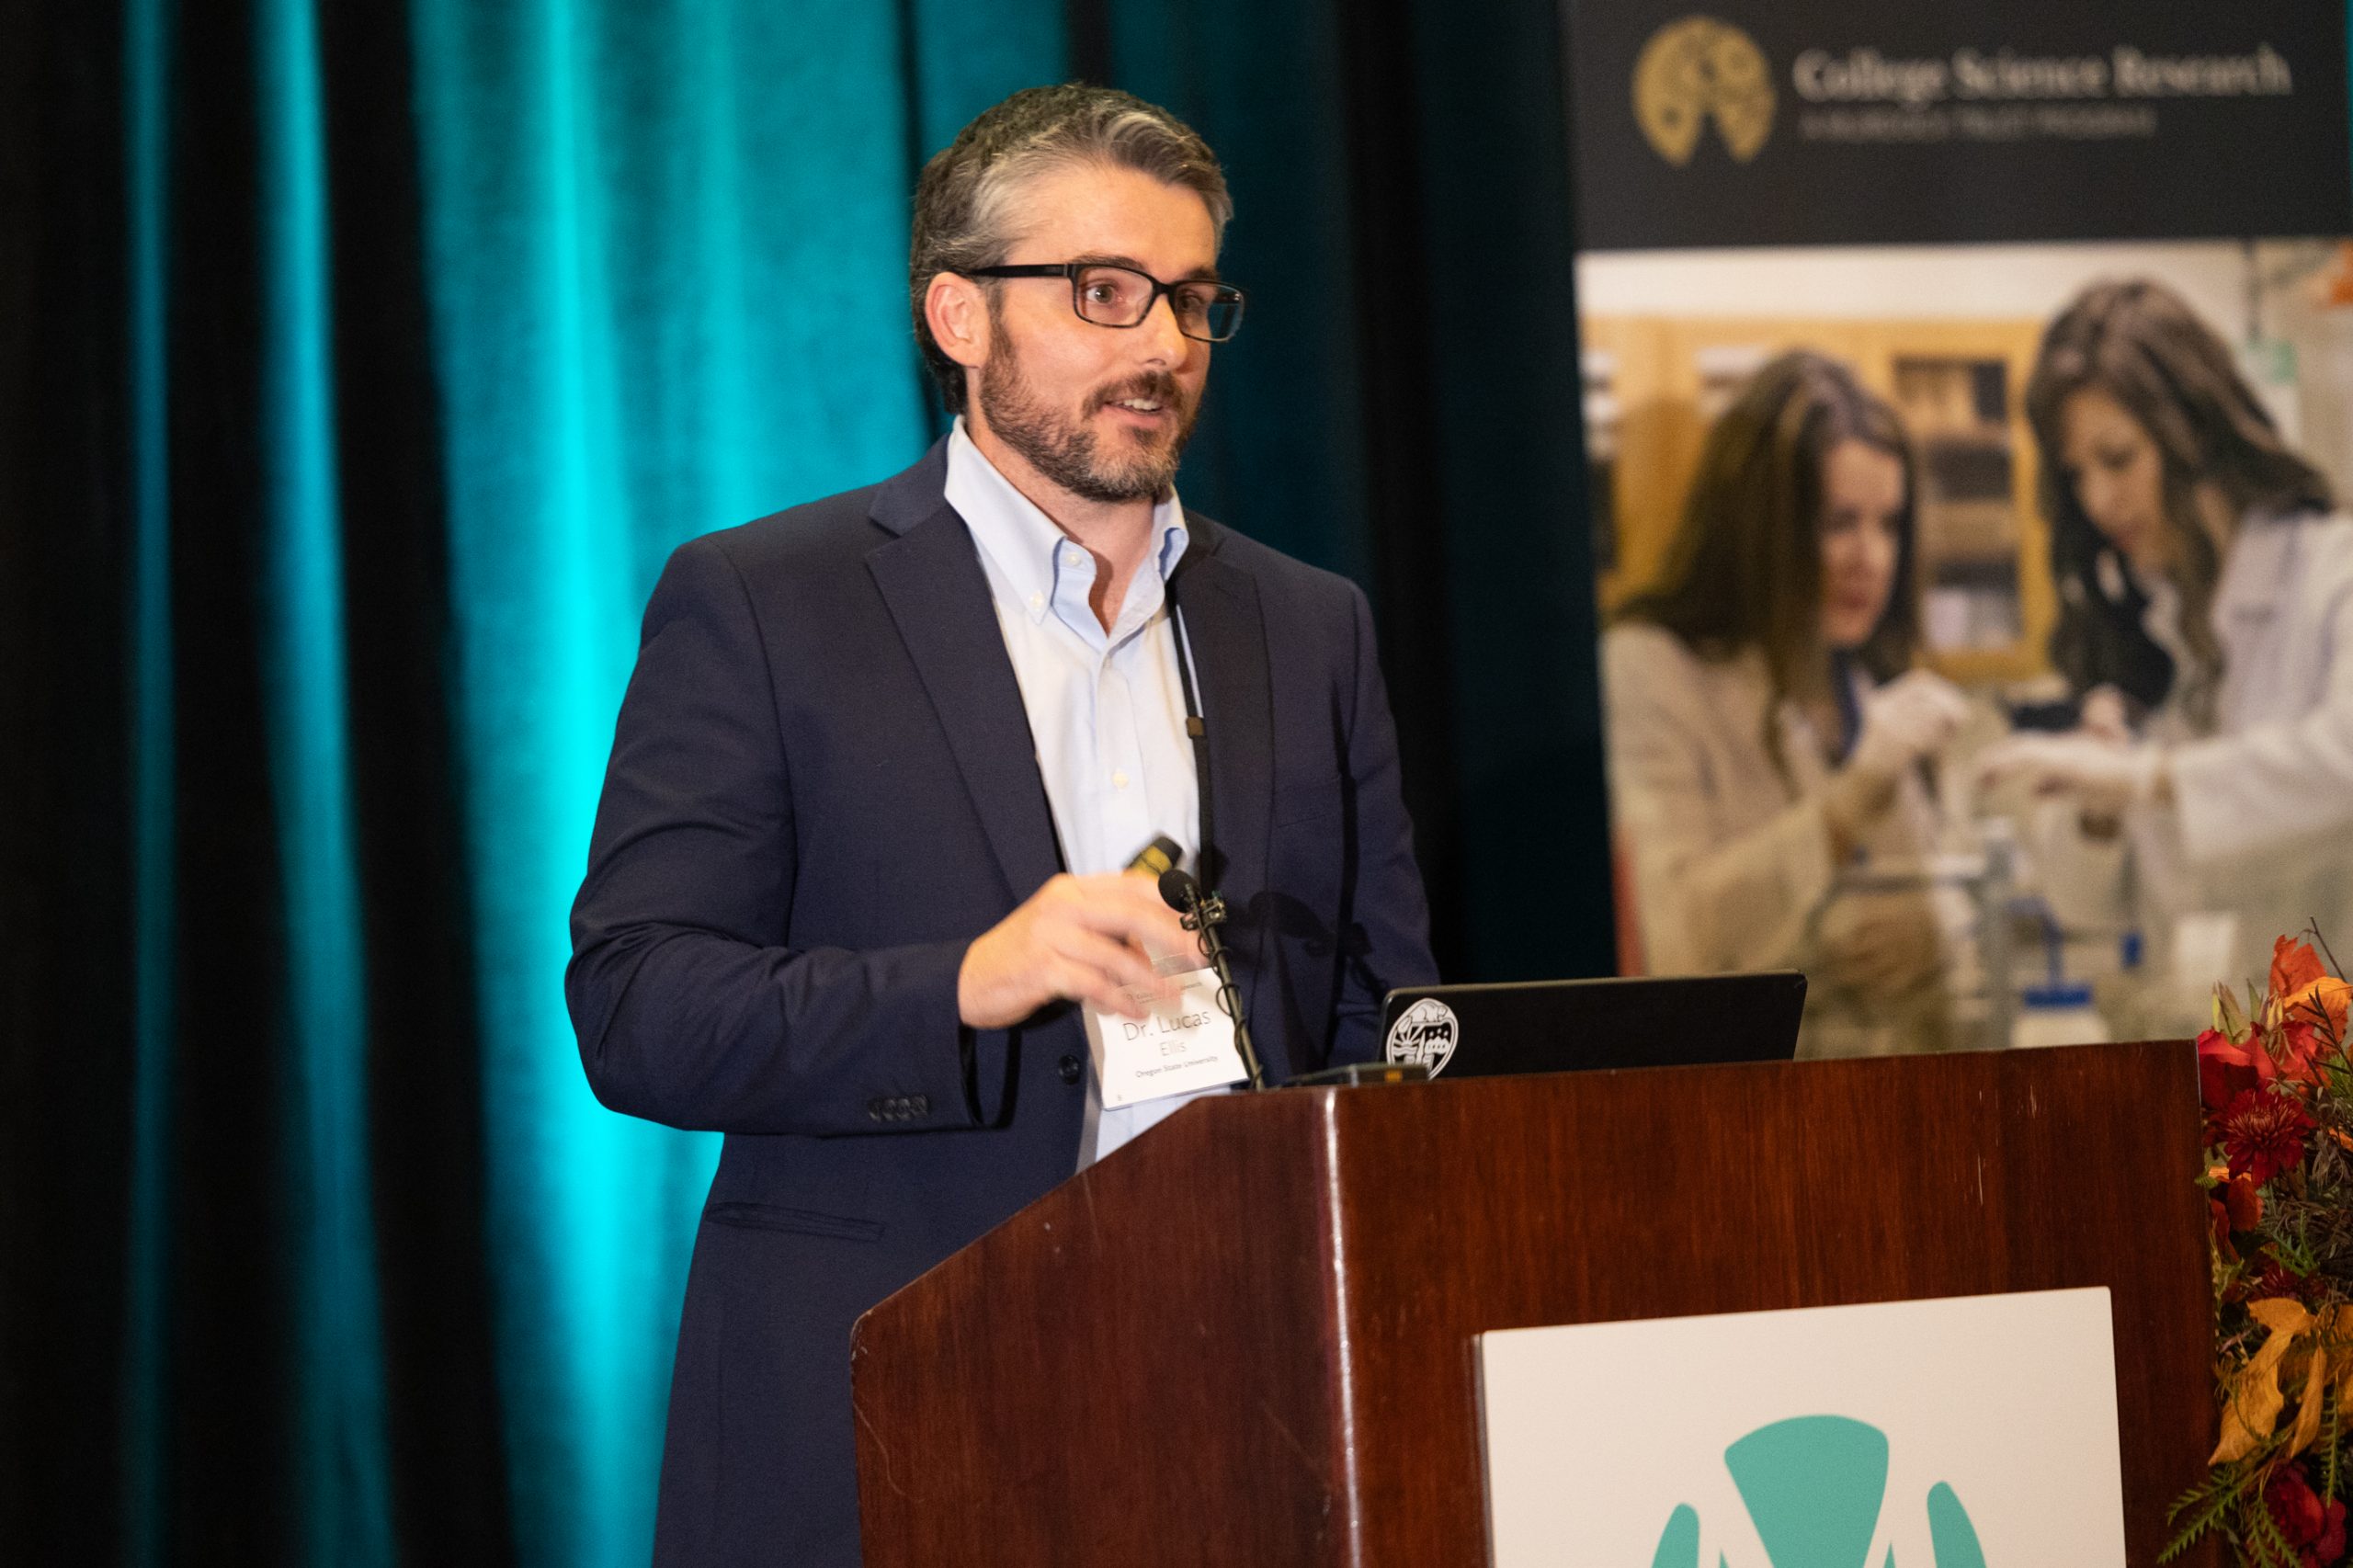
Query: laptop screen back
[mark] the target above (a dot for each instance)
(1560, 1026)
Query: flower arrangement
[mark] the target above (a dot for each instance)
(2277, 1089)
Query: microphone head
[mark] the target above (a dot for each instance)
(1178, 891)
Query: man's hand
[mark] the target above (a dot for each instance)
(1076, 938)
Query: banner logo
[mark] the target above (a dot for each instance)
(1699, 69)
(1423, 1033)
(1813, 1487)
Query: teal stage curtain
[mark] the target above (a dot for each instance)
(360, 366)
(660, 238)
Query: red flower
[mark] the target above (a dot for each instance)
(2263, 1133)
(2275, 1280)
(2243, 1201)
(2226, 1069)
(2315, 1531)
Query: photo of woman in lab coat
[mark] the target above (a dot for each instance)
(1765, 726)
(2219, 796)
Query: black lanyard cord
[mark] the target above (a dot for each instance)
(1196, 726)
(1207, 910)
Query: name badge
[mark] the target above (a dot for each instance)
(1174, 1048)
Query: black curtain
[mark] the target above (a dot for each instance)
(1413, 184)
(1404, 174)
(69, 696)
(64, 859)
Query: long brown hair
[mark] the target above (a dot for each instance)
(1744, 568)
(2142, 344)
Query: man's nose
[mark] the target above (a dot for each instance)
(1160, 332)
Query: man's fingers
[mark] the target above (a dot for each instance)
(1081, 938)
(1088, 937)
(1133, 912)
(1117, 963)
(1082, 981)
(1110, 978)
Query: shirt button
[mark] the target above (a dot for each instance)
(1119, 779)
(1036, 600)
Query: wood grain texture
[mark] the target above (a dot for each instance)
(1247, 1338)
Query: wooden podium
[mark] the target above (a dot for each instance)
(1246, 1338)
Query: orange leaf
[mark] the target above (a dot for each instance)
(2251, 1410)
(2308, 1413)
(2281, 1315)
(2294, 965)
(2328, 997)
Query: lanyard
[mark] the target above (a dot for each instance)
(1197, 727)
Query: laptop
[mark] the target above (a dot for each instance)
(1563, 1026)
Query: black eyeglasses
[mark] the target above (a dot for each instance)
(1121, 296)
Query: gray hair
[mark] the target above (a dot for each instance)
(964, 200)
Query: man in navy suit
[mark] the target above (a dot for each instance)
(857, 869)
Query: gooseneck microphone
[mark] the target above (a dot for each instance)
(1204, 913)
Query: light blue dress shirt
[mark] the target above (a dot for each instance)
(1107, 709)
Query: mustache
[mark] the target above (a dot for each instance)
(1156, 386)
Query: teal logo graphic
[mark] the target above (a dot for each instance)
(1814, 1486)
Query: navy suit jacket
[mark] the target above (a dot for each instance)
(822, 789)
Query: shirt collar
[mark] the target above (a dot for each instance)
(1023, 542)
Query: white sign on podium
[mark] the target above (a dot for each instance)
(1977, 1432)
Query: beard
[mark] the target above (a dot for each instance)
(1140, 465)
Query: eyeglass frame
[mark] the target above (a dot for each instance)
(1073, 269)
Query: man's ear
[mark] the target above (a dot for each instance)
(957, 314)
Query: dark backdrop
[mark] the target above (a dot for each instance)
(331, 456)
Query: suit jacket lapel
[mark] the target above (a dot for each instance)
(1229, 644)
(931, 579)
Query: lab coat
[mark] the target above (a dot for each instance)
(1729, 856)
(2260, 827)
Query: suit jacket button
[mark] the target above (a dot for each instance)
(918, 1104)
(1068, 1067)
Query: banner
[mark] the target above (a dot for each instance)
(1969, 401)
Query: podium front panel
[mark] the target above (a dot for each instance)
(1247, 1338)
